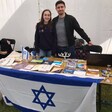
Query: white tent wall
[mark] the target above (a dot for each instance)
(21, 25)
(7, 8)
(94, 16)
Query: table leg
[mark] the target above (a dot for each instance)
(99, 97)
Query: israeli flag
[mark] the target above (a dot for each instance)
(25, 54)
(38, 92)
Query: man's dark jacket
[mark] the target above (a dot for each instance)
(71, 24)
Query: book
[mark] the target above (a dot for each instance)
(81, 65)
(29, 67)
(7, 61)
(39, 61)
(92, 72)
(35, 68)
(56, 69)
(69, 70)
(11, 61)
(20, 65)
(42, 67)
(71, 63)
(48, 62)
(57, 63)
(79, 72)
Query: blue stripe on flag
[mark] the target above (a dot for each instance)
(48, 78)
(23, 109)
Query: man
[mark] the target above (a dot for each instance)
(63, 30)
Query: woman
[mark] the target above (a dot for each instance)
(43, 35)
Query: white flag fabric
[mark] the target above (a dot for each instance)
(25, 54)
(39, 92)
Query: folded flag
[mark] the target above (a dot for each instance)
(25, 54)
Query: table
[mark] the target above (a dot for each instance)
(103, 82)
(43, 92)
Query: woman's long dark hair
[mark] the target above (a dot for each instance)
(42, 19)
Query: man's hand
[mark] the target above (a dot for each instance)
(90, 43)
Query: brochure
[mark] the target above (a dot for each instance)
(79, 72)
(42, 67)
(92, 72)
(20, 65)
(29, 67)
(57, 63)
(68, 70)
(71, 63)
(39, 61)
(57, 70)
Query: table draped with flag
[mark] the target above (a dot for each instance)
(44, 92)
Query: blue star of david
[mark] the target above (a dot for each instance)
(49, 95)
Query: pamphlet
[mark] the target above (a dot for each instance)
(35, 67)
(68, 70)
(71, 63)
(39, 61)
(79, 72)
(20, 65)
(57, 63)
(48, 62)
(82, 64)
(29, 67)
(7, 61)
(42, 67)
(57, 69)
(92, 72)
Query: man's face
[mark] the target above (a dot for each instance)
(60, 8)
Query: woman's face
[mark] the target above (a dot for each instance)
(46, 16)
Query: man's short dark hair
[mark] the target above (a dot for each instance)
(59, 2)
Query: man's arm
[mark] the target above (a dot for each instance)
(80, 31)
